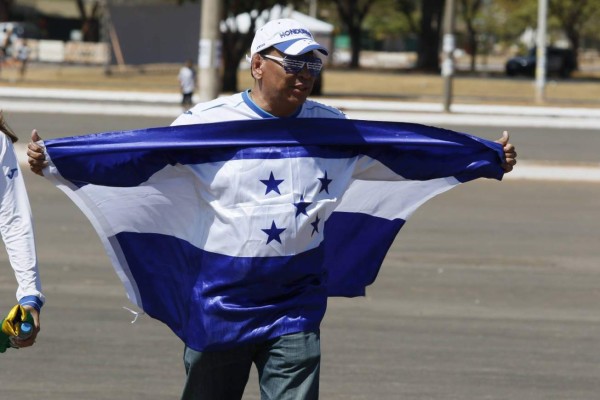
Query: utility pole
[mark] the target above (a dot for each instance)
(449, 45)
(312, 8)
(540, 63)
(209, 49)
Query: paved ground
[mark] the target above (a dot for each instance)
(490, 292)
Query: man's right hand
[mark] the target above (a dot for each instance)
(35, 155)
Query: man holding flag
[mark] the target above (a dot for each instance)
(235, 224)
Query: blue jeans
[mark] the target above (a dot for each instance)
(288, 368)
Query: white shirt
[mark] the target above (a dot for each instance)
(16, 224)
(240, 106)
(187, 80)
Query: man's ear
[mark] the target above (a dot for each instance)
(256, 66)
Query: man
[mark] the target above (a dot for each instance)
(285, 63)
(187, 84)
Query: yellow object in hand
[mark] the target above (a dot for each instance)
(11, 325)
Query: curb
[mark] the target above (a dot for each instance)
(167, 106)
(171, 112)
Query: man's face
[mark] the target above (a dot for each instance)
(281, 85)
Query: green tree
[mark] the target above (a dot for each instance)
(422, 18)
(432, 12)
(90, 24)
(469, 11)
(392, 18)
(6, 9)
(352, 14)
(575, 17)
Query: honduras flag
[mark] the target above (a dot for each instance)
(237, 232)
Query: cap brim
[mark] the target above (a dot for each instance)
(300, 46)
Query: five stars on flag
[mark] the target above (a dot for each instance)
(272, 185)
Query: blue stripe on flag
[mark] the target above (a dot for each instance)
(205, 298)
(351, 265)
(131, 157)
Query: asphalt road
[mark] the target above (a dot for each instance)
(490, 291)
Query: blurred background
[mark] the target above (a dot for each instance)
(491, 290)
(141, 44)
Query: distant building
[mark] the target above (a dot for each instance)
(155, 33)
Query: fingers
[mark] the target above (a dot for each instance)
(35, 314)
(19, 343)
(510, 153)
(507, 167)
(504, 139)
(35, 154)
(34, 136)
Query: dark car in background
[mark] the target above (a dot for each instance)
(559, 61)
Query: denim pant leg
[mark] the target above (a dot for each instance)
(218, 375)
(289, 366)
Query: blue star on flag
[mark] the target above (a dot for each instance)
(301, 206)
(324, 183)
(273, 232)
(272, 184)
(315, 225)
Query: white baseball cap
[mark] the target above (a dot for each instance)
(286, 35)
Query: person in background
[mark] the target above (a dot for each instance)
(22, 56)
(16, 229)
(5, 47)
(187, 84)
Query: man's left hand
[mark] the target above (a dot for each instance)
(510, 153)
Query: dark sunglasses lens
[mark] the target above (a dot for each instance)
(314, 67)
(294, 66)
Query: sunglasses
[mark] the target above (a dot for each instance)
(295, 65)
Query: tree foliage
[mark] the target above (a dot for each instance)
(432, 12)
(469, 10)
(6, 9)
(575, 17)
(352, 14)
(392, 18)
(502, 20)
(90, 21)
